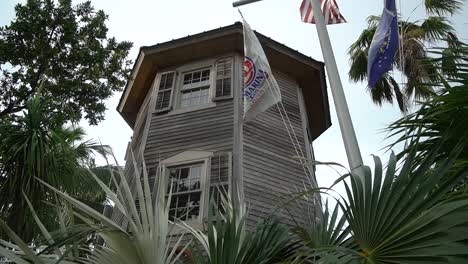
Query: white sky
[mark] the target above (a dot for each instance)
(147, 22)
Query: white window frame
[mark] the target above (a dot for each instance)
(174, 105)
(191, 157)
(173, 90)
(181, 87)
(200, 190)
(199, 65)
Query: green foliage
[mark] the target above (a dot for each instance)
(417, 38)
(322, 235)
(227, 241)
(443, 7)
(147, 239)
(67, 47)
(441, 120)
(397, 216)
(33, 147)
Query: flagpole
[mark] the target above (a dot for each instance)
(344, 118)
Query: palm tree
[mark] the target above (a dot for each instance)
(33, 147)
(414, 61)
(397, 216)
(405, 215)
(147, 239)
(442, 118)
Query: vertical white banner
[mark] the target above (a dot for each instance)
(261, 91)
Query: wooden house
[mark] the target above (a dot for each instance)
(184, 104)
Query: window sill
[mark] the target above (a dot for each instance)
(191, 109)
(222, 98)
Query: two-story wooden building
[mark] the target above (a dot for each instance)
(184, 104)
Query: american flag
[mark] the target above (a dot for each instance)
(330, 11)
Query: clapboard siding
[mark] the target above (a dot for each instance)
(209, 129)
(271, 170)
(136, 151)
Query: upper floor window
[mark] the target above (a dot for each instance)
(166, 87)
(197, 78)
(182, 89)
(195, 89)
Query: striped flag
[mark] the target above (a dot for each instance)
(330, 11)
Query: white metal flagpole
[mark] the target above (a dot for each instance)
(344, 119)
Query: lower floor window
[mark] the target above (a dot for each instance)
(196, 180)
(194, 97)
(185, 185)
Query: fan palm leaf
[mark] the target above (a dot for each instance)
(326, 240)
(443, 7)
(398, 216)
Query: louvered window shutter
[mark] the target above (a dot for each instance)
(223, 89)
(220, 177)
(165, 92)
(153, 178)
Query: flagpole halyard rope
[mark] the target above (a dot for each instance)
(307, 170)
(402, 62)
(254, 54)
(288, 125)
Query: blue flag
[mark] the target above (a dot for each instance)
(384, 44)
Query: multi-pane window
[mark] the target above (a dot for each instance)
(195, 185)
(224, 78)
(195, 89)
(166, 85)
(192, 97)
(197, 77)
(185, 184)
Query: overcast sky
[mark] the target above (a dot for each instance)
(147, 22)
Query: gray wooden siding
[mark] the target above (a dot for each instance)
(209, 129)
(271, 171)
(135, 150)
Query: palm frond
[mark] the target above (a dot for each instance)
(227, 240)
(326, 240)
(148, 238)
(402, 218)
(358, 66)
(441, 118)
(436, 28)
(443, 7)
